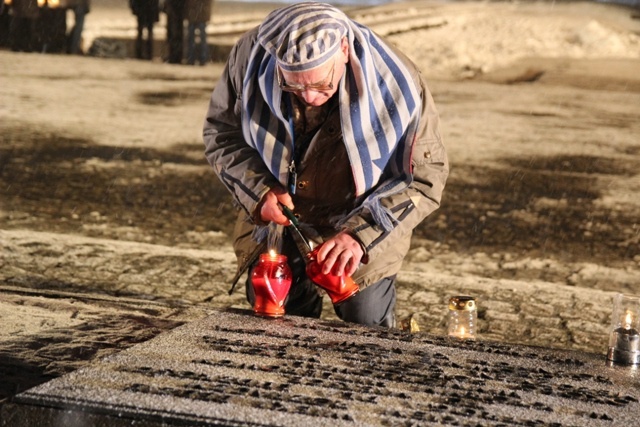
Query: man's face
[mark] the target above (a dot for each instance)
(316, 86)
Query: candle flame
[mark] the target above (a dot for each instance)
(272, 253)
(628, 319)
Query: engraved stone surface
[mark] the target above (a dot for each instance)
(234, 368)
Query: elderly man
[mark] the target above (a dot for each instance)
(317, 113)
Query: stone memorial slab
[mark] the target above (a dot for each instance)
(236, 369)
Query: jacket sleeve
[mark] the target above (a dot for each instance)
(430, 169)
(237, 165)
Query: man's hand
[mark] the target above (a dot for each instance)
(341, 254)
(269, 209)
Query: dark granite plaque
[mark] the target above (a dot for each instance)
(233, 368)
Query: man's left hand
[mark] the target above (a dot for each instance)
(341, 254)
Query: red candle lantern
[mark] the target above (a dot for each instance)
(339, 288)
(271, 280)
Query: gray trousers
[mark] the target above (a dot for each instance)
(372, 306)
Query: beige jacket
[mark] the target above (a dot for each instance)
(325, 189)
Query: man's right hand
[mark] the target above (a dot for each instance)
(270, 211)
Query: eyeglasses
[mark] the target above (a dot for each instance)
(317, 87)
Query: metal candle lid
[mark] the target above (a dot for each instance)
(462, 303)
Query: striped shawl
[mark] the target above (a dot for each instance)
(379, 103)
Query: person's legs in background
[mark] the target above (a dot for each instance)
(150, 42)
(17, 34)
(204, 46)
(138, 45)
(191, 43)
(175, 31)
(79, 13)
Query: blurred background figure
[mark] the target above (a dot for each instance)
(148, 13)
(175, 29)
(80, 8)
(22, 29)
(35, 25)
(198, 14)
(51, 27)
(5, 23)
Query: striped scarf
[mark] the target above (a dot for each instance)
(379, 102)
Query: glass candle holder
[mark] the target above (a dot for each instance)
(462, 317)
(339, 288)
(624, 338)
(271, 280)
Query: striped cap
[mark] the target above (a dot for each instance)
(304, 35)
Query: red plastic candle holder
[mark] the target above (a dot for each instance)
(271, 280)
(339, 288)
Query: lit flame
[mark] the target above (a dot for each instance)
(50, 3)
(462, 331)
(628, 319)
(41, 3)
(272, 253)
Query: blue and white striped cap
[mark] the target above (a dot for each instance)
(304, 35)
